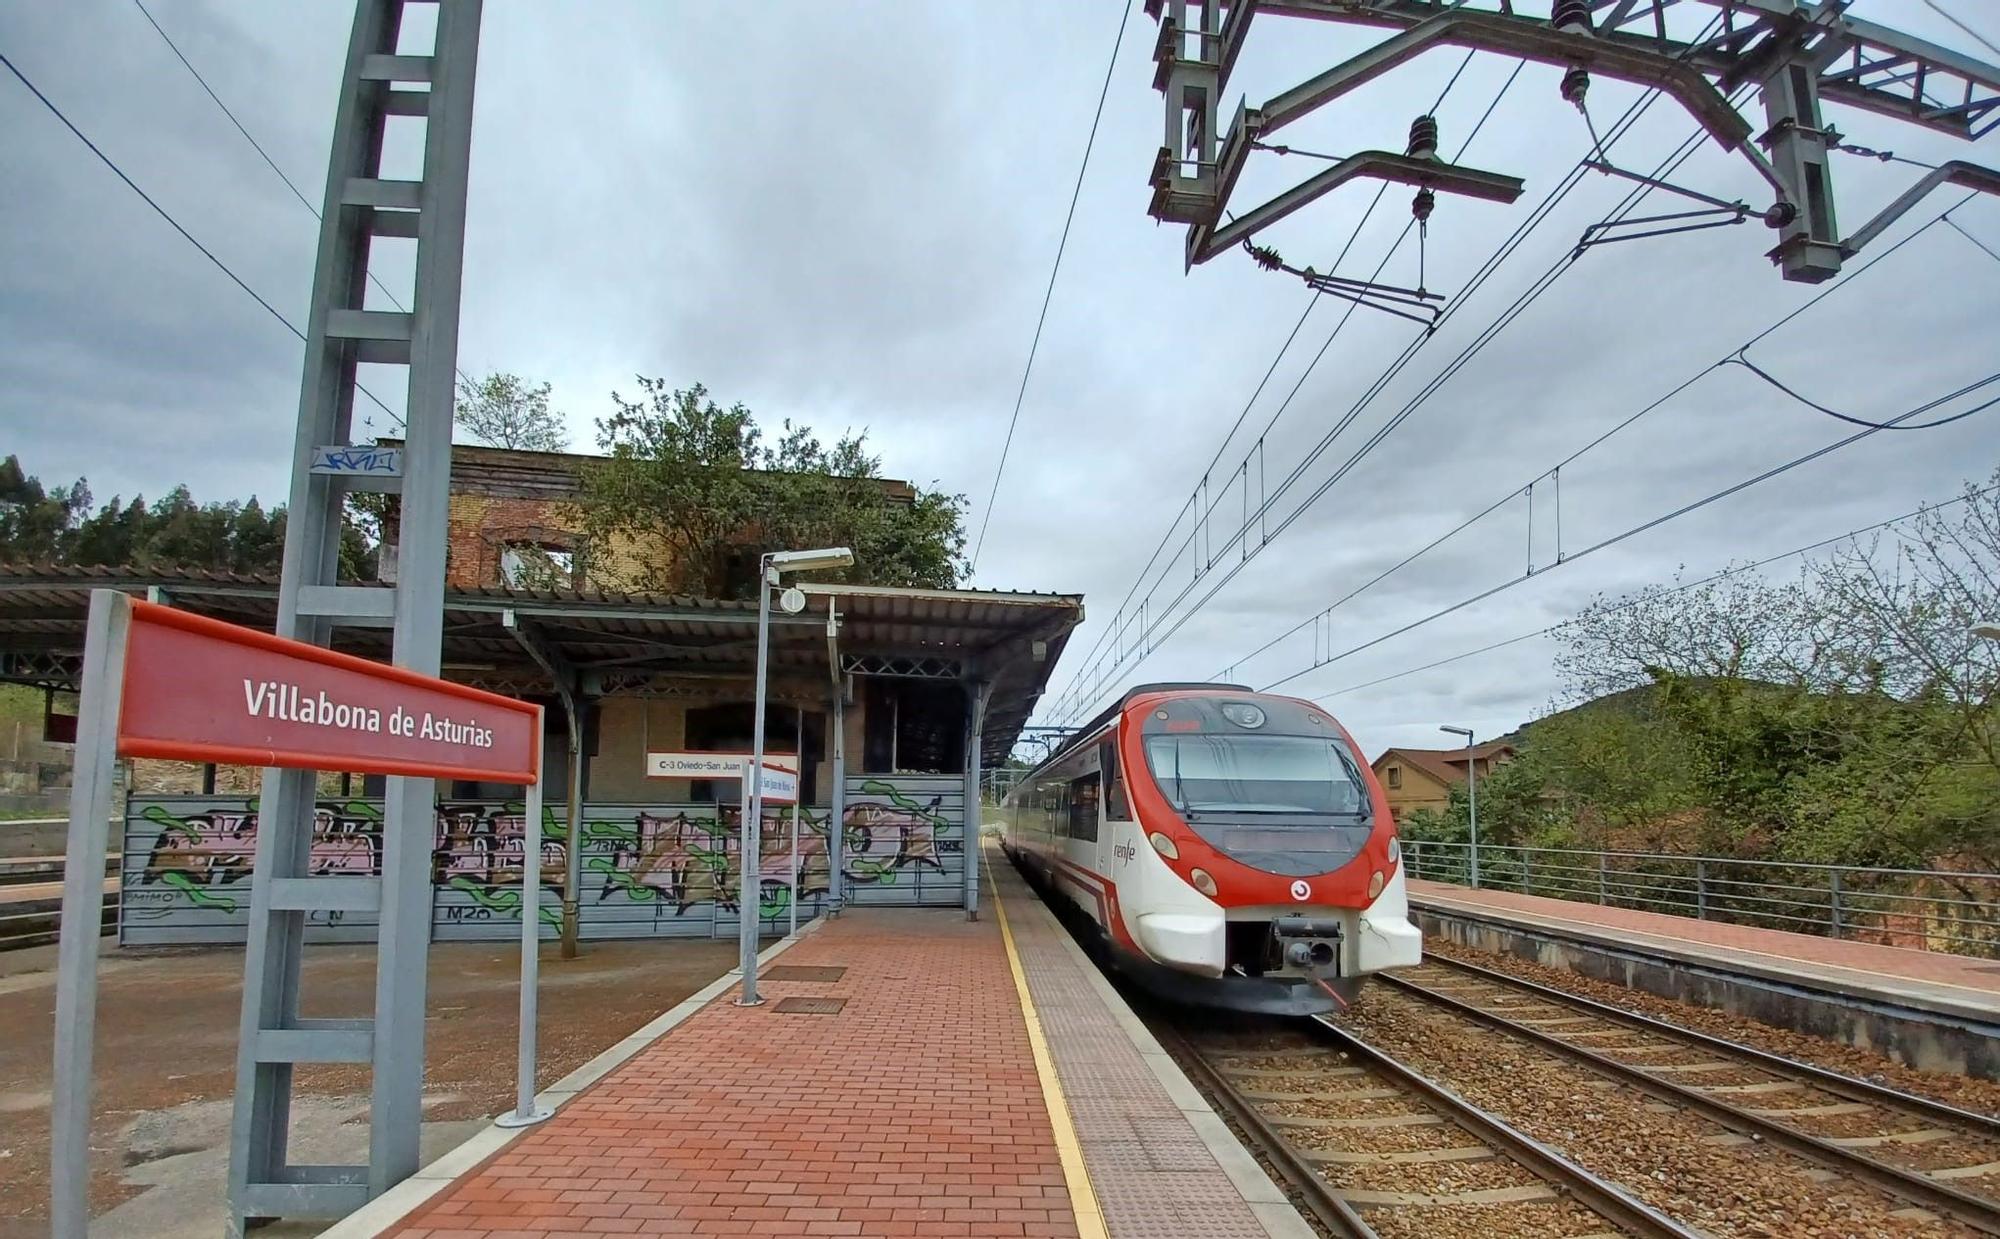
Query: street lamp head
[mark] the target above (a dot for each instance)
(1459, 731)
(806, 561)
(1989, 632)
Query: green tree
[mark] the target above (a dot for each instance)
(175, 532)
(37, 525)
(256, 541)
(505, 410)
(185, 534)
(689, 493)
(1845, 716)
(112, 536)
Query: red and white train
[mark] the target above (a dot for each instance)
(1232, 847)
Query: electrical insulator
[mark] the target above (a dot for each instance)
(1423, 204)
(1575, 84)
(1571, 16)
(1424, 137)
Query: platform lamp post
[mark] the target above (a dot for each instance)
(1471, 798)
(770, 568)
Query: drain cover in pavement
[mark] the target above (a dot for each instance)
(800, 972)
(811, 1006)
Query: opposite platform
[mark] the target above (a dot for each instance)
(1930, 1009)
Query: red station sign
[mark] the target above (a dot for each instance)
(199, 689)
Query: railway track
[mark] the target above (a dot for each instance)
(31, 901)
(1940, 1158)
(1371, 1147)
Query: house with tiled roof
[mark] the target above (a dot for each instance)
(1423, 778)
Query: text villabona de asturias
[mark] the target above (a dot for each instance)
(275, 699)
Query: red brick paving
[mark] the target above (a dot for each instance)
(914, 1111)
(1900, 962)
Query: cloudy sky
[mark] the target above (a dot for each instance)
(846, 215)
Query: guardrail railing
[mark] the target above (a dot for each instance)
(1926, 909)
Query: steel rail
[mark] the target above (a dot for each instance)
(1851, 1087)
(1981, 1215)
(1319, 1196)
(1606, 1198)
(20, 930)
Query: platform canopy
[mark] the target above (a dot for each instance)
(517, 640)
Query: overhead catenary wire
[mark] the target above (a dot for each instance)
(1048, 293)
(1312, 302)
(1325, 345)
(265, 155)
(1650, 524)
(1084, 689)
(1753, 340)
(1599, 440)
(1089, 686)
(1984, 248)
(1983, 41)
(1740, 360)
(1681, 587)
(162, 212)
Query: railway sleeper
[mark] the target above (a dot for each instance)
(1366, 1121)
(1282, 1073)
(1832, 1107)
(1339, 1094)
(1413, 1157)
(1526, 1193)
(1922, 1136)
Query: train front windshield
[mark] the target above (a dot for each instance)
(1253, 774)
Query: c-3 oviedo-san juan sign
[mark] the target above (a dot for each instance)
(158, 682)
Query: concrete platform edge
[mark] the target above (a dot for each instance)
(1265, 1199)
(399, 1202)
(1951, 1038)
(1805, 974)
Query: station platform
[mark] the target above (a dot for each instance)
(1931, 1009)
(952, 1078)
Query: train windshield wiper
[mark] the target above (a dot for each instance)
(1290, 810)
(1180, 793)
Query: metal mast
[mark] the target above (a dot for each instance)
(1799, 53)
(380, 81)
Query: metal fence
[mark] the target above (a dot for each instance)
(1925, 909)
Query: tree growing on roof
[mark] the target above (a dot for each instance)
(689, 494)
(505, 410)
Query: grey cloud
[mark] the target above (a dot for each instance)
(846, 216)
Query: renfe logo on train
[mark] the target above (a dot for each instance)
(197, 689)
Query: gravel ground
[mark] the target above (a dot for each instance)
(1670, 1158)
(1965, 1092)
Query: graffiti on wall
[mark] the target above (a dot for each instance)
(642, 868)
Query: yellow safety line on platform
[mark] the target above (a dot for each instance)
(1082, 1196)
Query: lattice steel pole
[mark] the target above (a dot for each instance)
(378, 82)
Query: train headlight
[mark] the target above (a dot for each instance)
(1163, 845)
(1202, 882)
(1375, 884)
(1243, 714)
(1395, 849)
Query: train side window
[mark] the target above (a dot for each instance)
(1083, 808)
(1115, 807)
